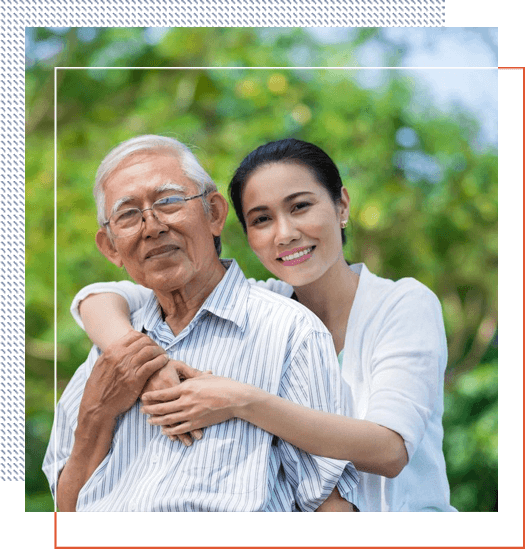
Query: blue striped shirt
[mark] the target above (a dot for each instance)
(245, 333)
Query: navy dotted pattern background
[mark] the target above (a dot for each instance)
(15, 16)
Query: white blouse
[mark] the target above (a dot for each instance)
(394, 362)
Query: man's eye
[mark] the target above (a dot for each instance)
(170, 200)
(127, 214)
(169, 203)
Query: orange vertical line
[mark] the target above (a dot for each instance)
(523, 145)
(55, 519)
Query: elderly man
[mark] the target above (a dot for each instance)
(161, 218)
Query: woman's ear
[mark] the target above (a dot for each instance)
(107, 248)
(344, 205)
(218, 212)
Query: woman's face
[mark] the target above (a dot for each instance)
(293, 226)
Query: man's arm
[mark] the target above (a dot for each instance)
(92, 443)
(335, 503)
(116, 381)
(312, 379)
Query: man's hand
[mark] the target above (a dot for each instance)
(168, 377)
(335, 503)
(164, 378)
(115, 383)
(120, 374)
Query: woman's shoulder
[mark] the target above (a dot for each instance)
(382, 296)
(379, 288)
(273, 285)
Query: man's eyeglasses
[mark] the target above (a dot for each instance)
(129, 222)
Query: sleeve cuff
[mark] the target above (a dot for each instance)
(347, 485)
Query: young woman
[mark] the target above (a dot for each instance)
(389, 337)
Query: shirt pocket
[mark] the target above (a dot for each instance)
(235, 464)
(223, 479)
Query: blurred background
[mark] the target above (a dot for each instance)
(417, 150)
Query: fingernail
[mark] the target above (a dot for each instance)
(197, 435)
(187, 442)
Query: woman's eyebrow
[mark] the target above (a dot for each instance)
(257, 209)
(286, 199)
(293, 196)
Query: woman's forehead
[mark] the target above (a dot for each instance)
(279, 181)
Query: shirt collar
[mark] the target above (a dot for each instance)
(228, 300)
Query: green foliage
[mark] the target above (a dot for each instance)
(426, 210)
(471, 445)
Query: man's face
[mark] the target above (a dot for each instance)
(159, 256)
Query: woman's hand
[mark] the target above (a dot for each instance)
(196, 403)
(170, 376)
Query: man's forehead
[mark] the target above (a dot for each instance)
(145, 162)
(142, 157)
(153, 171)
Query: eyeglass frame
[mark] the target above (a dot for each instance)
(183, 199)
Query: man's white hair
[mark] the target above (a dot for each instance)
(157, 144)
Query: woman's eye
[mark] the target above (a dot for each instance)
(260, 219)
(301, 205)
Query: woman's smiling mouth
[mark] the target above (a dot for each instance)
(296, 256)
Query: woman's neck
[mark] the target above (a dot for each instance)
(331, 298)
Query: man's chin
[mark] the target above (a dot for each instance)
(168, 280)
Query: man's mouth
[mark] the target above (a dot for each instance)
(294, 255)
(161, 250)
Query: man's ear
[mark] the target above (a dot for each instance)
(218, 212)
(107, 248)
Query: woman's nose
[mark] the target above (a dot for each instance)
(286, 231)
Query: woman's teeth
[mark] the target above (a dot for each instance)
(296, 255)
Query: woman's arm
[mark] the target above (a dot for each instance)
(103, 309)
(372, 448)
(207, 400)
(105, 317)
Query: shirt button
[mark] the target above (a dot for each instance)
(155, 458)
(132, 505)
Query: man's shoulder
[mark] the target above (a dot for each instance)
(274, 306)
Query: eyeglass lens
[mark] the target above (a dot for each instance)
(127, 222)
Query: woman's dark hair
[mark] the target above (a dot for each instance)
(291, 151)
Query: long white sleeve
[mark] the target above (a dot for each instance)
(134, 294)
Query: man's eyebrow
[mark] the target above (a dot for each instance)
(287, 199)
(120, 202)
(168, 186)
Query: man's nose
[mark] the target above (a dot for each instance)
(152, 226)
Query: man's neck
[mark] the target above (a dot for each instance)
(180, 306)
